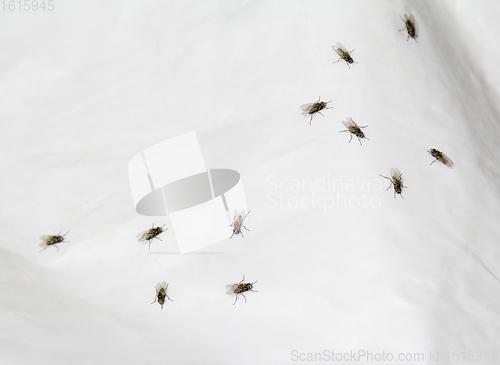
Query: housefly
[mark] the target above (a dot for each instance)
(240, 288)
(410, 27)
(396, 180)
(161, 294)
(313, 108)
(440, 156)
(52, 240)
(354, 129)
(344, 54)
(238, 223)
(150, 233)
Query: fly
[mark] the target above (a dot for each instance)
(354, 129)
(313, 108)
(161, 294)
(396, 180)
(52, 240)
(151, 233)
(410, 27)
(440, 156)
(344, 54)
(240, 288)
(238, 223)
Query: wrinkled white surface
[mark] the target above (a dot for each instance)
(86, 87)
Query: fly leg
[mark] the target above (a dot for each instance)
(167, 294)
(385, 177)
(405, 24)
(158, 238)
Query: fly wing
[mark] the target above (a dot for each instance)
(412, 19)
(306, 106)
(341, 47)
(162, 285)
(46, 238)
(242, 217)
(338, 50)
(447, 161)
(415, 25)
(237, 216)
(143, 235)
(231, 288)
(349, 123)
(396, 174)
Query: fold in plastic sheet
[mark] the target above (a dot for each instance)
(170, 177)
